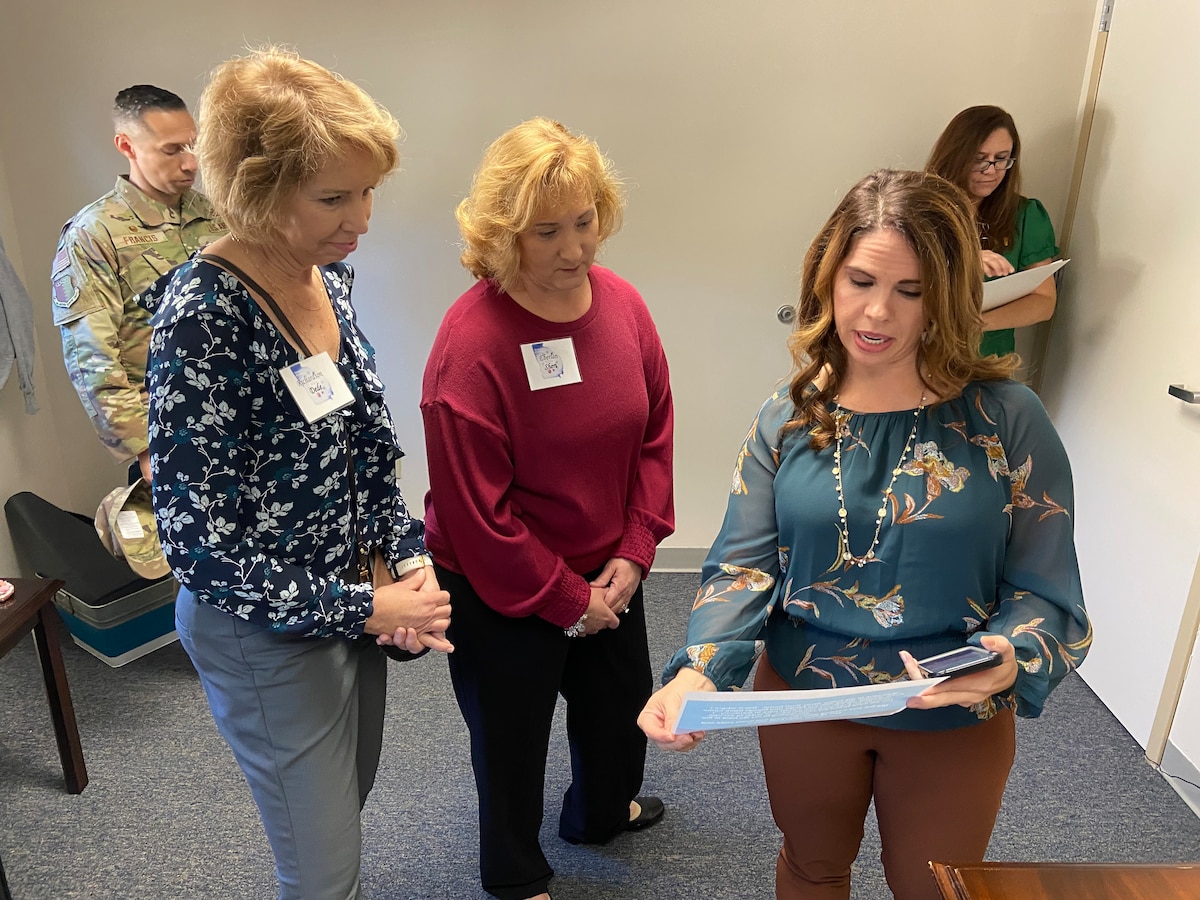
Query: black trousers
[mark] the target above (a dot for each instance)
(507, 675)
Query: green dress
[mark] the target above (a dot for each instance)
(1033, 241)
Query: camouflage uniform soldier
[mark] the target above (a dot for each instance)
(115, 248)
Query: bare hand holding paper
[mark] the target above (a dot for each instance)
(707, 711)
(1012, 287)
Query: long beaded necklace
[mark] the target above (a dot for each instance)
(843, 426)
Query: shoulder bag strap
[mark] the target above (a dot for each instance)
(258, 289)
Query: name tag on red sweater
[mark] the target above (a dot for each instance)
(551, 363)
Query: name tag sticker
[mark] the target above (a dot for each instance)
(317, 386)
(550, 364)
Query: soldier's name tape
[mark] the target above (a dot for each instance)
(131, 240)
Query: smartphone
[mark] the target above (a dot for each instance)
(962, 661)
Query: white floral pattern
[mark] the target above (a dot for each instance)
(253, 502)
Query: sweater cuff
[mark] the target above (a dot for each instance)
(638, 545)
(567, 600)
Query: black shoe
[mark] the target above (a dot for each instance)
(651, 810)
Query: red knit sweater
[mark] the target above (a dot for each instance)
(530, 489)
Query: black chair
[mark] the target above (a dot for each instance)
(110, 611)
(56, 543)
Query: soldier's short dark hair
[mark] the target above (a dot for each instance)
(134, 102)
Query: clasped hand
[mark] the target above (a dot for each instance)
(966, 690)
(612, 590)
(412, 613)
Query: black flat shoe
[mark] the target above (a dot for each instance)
(650, 810)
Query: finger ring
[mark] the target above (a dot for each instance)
(625, 610)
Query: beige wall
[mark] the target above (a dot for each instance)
(738, 127)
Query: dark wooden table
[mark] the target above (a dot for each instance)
(1067, 881)
(31, 608)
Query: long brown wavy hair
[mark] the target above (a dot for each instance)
(956, 151)
(934, 217)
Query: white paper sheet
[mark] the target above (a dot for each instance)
(1018, 284)
(709, 711)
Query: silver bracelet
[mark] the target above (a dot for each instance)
(578, 629)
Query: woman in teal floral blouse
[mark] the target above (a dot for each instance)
(902, 498)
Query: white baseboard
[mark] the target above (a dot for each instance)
(1175, 763)
(679, 559)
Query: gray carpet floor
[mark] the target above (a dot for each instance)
(168, 815)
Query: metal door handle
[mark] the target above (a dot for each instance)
(1185, 394)
(786, 314)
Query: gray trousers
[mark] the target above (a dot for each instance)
(304, 719)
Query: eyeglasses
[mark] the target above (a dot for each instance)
(1001, 165)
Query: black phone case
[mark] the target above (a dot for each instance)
(989, 662)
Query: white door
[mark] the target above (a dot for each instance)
(1127, 326)
(1182, 756)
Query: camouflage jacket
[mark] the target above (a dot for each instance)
(108, 253)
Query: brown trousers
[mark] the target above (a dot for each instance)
(937, 794)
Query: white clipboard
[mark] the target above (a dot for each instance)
(1012, 287)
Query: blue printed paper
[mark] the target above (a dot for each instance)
(709, 711)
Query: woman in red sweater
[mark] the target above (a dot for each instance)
(548, 424)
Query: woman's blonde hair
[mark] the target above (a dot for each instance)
(269, 122)
(533, 167)
(933, 216)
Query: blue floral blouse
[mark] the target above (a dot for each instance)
(977, 537)
(252, 502)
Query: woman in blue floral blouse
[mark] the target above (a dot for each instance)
(274, 461)
(903, 497)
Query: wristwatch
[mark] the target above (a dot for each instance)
(411, 564)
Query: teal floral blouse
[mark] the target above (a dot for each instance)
(977, 537)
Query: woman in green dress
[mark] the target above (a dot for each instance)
(980, 152)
